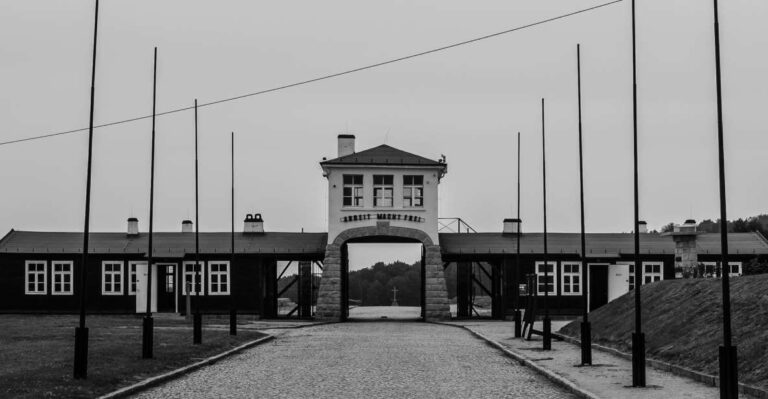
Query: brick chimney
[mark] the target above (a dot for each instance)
(254, 224)
(186, 226)
(346, 144)
(511, 226)
(133, 227)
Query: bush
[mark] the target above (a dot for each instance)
(756, 266)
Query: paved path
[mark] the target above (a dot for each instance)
(365, 360)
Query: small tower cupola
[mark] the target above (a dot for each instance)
(133, 227)
(254, 224)
(642, 226)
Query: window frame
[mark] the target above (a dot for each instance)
(540, 276)
(383, 187)
(409, 191)
(355, 189)
(70, 273)
(44, 273)
(740, 266)
(659, 274)
(570, 275)
(194, 275)
(218, 274)
(112, 273)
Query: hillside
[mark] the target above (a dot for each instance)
(682, 321)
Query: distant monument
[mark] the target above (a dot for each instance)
(394, 296)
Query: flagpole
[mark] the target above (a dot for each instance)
(547, 335)
(147, 325)
(729, 374)
(81, 332)
(197, 318)
(233, 308)
(586, 330)
(517, 316)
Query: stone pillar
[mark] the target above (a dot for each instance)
(436, 293)
(329, 294)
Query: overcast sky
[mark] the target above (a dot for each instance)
(467, 103)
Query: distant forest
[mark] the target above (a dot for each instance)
(750, 224)
(373, 285)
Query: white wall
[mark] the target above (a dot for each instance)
(335, 191)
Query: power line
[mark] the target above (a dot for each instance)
(317, 79)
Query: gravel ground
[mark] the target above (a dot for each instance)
(368, 360)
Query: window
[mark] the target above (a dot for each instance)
(550, 282)
(193, 274)
(652, 272)
(62, 278)
(132, 279)
(571, 284)
(353, 190)
(413, 191)
(735, 269)
(382, 190)
(710, 269)
(35, 277)
(111, 278)
(218, 278)
(170, 279)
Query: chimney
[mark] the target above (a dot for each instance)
(511, 226)
(186, 226)
(689, 226)
(346, 144)
(642, 226)
(133, 227)
(253, 224)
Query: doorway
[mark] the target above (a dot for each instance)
(383, 279)
(598, 285)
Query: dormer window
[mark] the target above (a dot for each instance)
(413, 191)
(353, 190)
(382, 190)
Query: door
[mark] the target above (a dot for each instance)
(598, 285)
(618, 281)
(141, 288)
(166, 283)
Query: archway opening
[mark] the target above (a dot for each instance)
(383, 279)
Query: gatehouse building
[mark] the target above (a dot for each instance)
(381, 194)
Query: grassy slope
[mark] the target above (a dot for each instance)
(682, 322)
(36, 353)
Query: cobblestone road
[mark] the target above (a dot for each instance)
(365, 360)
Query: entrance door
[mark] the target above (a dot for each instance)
(598, 285)
(141, 288)
(618, 281)
(166, 283)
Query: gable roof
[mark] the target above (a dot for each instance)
(164, 244)
(383, 155)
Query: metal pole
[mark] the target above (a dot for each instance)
(197, 319)
(729, 375)
(81, 332)
(147, 325)
(638, 338)
(233, 308)
(547, 322)
(516, 305)
(586, 330)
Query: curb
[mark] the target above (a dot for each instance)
(157, 380)
(554, 377)
(708, 379)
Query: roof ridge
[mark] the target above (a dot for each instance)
(6, 237)
(760, 237)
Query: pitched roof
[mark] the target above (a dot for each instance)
(164, 244)
(383, 155)
(597, 243)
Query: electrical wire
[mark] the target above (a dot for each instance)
(320, 78)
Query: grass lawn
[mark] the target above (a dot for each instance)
(682, 322)
(36, 352)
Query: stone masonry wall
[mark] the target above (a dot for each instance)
(329, 294)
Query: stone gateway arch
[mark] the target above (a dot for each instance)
(330, 303)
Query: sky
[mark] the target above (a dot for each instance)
(467, 103)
